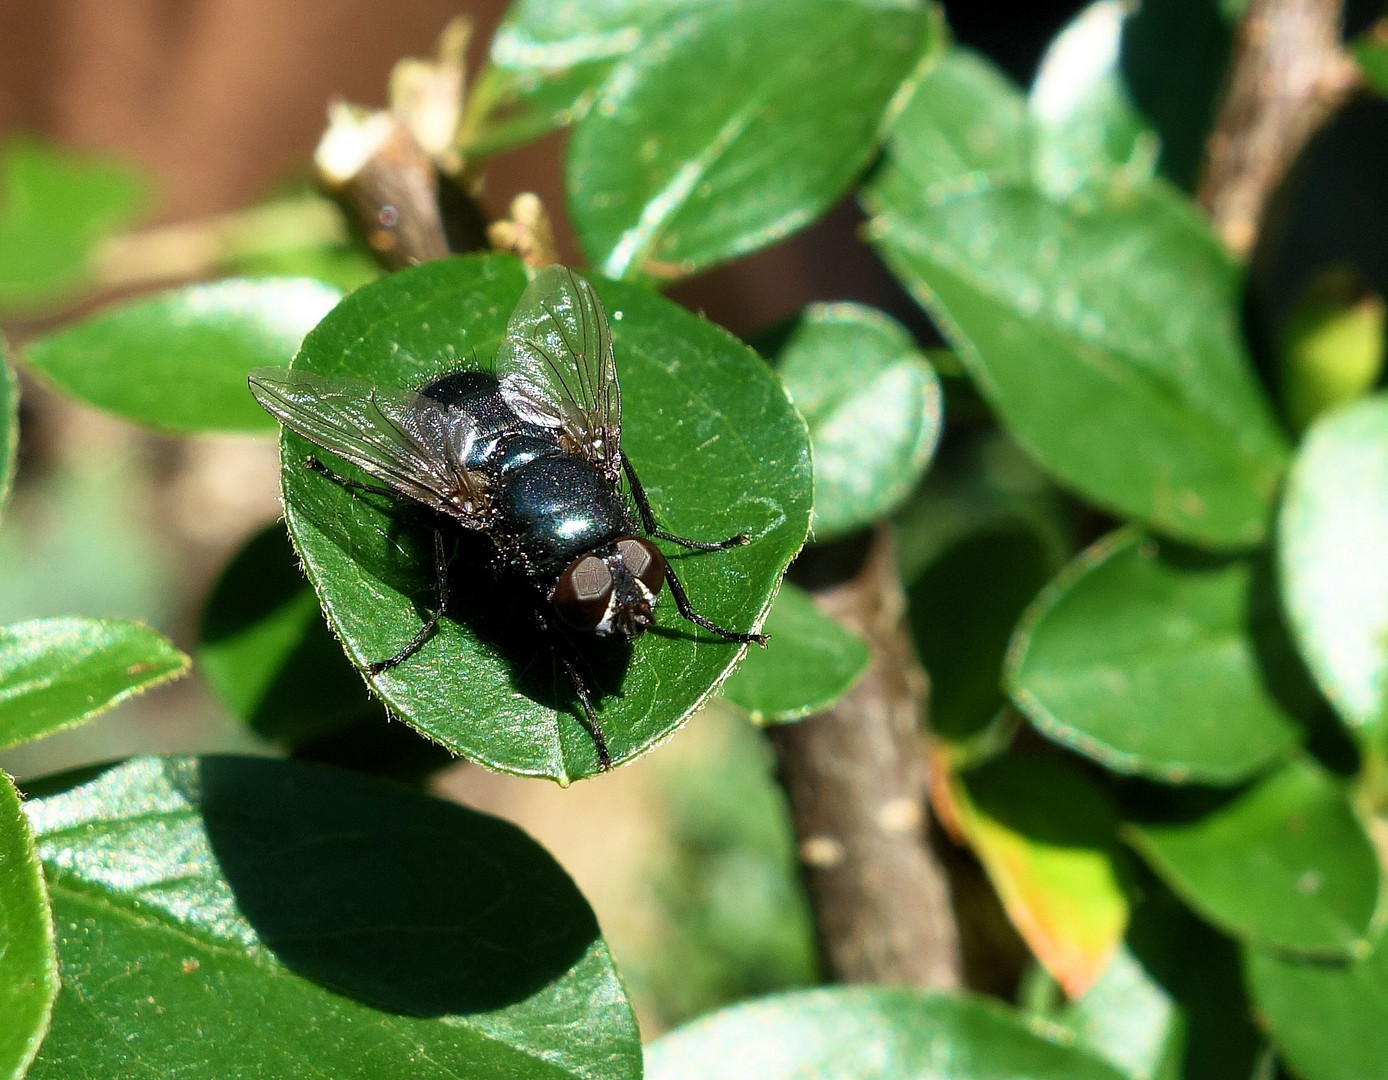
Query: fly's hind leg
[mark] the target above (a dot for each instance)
(314, 465)
(414, 644)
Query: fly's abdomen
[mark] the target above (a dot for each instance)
(555, 507)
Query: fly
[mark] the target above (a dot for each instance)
(529, 455)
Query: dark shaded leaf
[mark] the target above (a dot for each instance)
(264, 647)
(55, 673)
(9, 424)
(1161, 662)
(1284, 862)
(55, 206)
(719, 448)
(873, 405)
(245, 917)
(859, 1033)
(810, 663)
(178, 361)
(28, 959)
(787, 115)
(1332, 539)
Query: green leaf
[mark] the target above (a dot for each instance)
(9, 424)
(1087, 122)
(810, 663)
(264, 647)
(1371, 52)
(1332, 348)
(28, 959)
(56, 673)
(1116, 304)
(1329, 1021)
(1284, 862)
(962, 610)
(861, 1033)
(178, 361)
(55, 206)
(282, 920)
(873, 405)
(1044, 833)
(719, 448)
(788, 114)
(1159, 661)
(1332, 536)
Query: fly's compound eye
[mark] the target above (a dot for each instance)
(583, 593)
(643, 561)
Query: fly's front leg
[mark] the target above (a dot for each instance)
(581, 691)
(441, 582)
(685, 608)
(643, 507)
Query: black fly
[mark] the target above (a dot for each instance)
(530, 455)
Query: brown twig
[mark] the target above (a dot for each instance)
(1289, 74)
(856, 778)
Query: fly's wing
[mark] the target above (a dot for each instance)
(557, 370)
(412, 443)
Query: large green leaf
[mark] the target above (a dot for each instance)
(55, 673)
(241, 917)
(1333, 548)
(810, 663)
(55, 206)
(860, 1033)
(9, 424)
(28, 959)
(1371, 52)
(873, 405)
(1159, 661)
(1329, 1021)
(787, 114)
(178, 361)
(1283, 863)
(1115, 303)
(264, 647)
(719, 448)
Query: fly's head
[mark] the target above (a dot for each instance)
(612, 590)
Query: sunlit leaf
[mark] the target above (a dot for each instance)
(242, 916)
(28, 960)
(810, 663)
(55, 673)
(718, 446)
(178, 361)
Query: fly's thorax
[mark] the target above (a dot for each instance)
(555, 507)
(611, 591)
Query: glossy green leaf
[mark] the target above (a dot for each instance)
(1332, 540)
(1115, 303)
(1171, 1006)
(1044, 833)
(264, 647)
(9, 424)
(28, 960)
(1159, 661)
(1086, 118)
(962, 611)
(861, 1033)
(1329, 1020)
(55, 673)
(873, 405)
(787, 115)
(718, 446)
(1284, 862)
(179, 361)
(248, 917)
(810, 663)
(55, 206)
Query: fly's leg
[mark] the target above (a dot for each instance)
(413, 646)
(682, 604)
(685, 608)
(643, 507)
(314, 465)
(585, 697)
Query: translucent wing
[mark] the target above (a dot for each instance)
(413, 443)
(557, 370)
